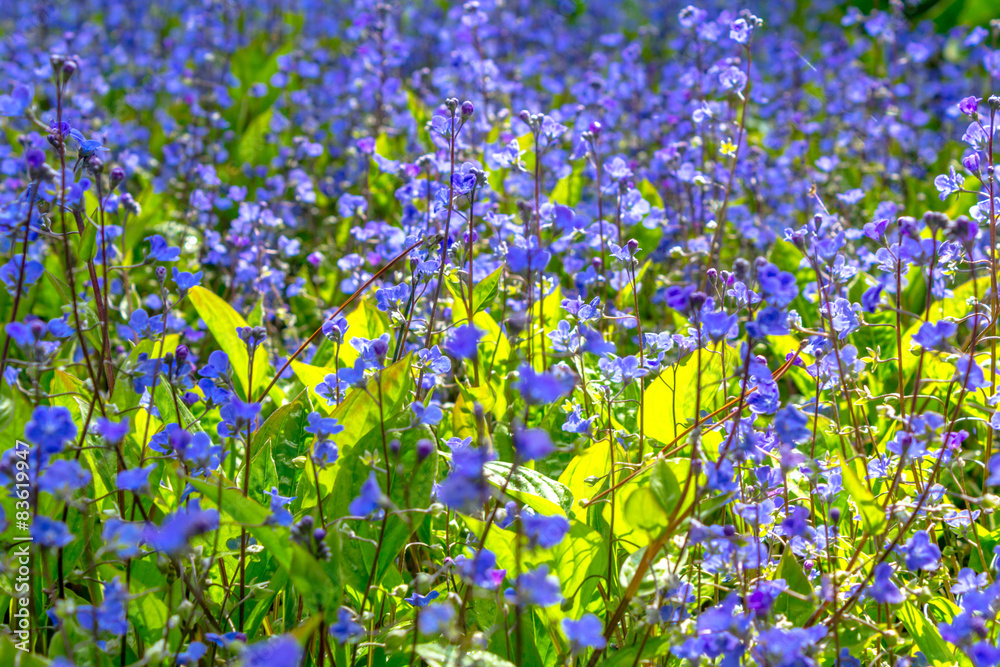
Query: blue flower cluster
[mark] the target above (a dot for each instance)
(499, 333)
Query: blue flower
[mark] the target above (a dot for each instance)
(524, 256)
(48, 532)
(532, 443)
(109, 616)
(369, 500)
(418, 600)
(464, 342)
(279, 651)
(237, 416)
(121, 538)
(545, 387)
(587, 632)
(969, 581)
(321, 426)
(779, 286)
(350, 205)
(433, 360)
(790, 424)
(17, 102)
(436, 618)
(335, 329)
(185, 280)
(716, 324)
(173, 537)
(226, 640)
(280, 516)
(465, 488)
(921, 553)
(346, 629)
(63, 478)
(217, 366)
(882, 590)
(575, 423)
(50, 428)
(11, 273)
(430, 414)
(935, 335)
(845, 319)
(968, 374)
(112, 432)
(159, 251)
(537, 587)
(480, 570)
(195, 652)
(784, 648)
(544, 531)
(770, 322)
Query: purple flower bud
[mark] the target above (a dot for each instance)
(971, 162)
(467, 109)
(424, 448)
(117, 177)
(35, 158)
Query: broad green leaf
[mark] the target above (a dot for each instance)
(569, 188)
(790, 602)
(655, 577)
(872, 513)
(223, 322)
(540, 493)
(626, 657)
(284, 429)
(928, 638)
(436, 655)
(670, 397)
(311, 377)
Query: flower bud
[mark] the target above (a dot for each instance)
(741, 269)
(467, 109)
(117, 177)
(424, 448)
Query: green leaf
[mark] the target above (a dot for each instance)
(485, 292)
(667, 485)
(540, 493)
(670, 398)
(436, 655)
(871, 512)
(642, 510)
(171, 412)
(654, 647)
(285, 432)
(223, 321)
(789, 602)
(927, 637)
(653, 579)
(569, 188)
